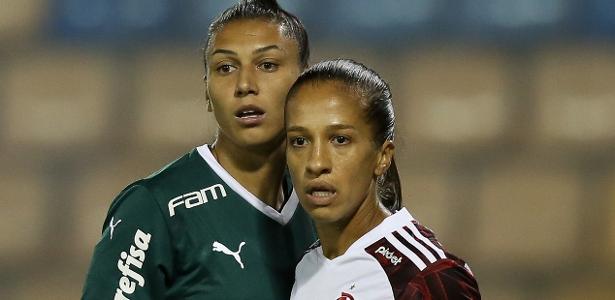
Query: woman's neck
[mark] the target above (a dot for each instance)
(259, 169)
(337, 237)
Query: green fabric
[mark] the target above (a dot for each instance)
(172, 220)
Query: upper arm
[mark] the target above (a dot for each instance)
(134, 255)
(445, 279)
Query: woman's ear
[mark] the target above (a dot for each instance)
(207, 98)
(209, 108)
(385, 156)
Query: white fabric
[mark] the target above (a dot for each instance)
(355, 272)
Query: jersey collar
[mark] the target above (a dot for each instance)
(282, 217)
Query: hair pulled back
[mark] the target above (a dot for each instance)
(375, 99)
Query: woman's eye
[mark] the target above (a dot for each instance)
(298, 141)
(341, 140)
(268, 66)
(224, 69)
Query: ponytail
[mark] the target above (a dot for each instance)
(389, 188)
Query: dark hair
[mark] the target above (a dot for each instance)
(375, 99)
(268, 10)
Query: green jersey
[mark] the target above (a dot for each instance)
(191, 231)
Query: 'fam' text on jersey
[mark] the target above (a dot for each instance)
(196, 198)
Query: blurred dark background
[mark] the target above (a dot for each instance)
(506, 126)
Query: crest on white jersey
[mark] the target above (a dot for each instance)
(345, 296)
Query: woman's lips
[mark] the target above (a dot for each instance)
(320, 193)
(250, 115)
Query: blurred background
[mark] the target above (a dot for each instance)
(506, 126)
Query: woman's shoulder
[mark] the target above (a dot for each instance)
(413, 259)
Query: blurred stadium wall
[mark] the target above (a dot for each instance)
(506, 126)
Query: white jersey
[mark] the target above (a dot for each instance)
(391, 261)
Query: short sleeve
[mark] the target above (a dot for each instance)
(133, 258)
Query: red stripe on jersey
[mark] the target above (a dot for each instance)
(410, 247)
(428, 247)
(428, 233)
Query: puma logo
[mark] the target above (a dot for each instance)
(218, 247)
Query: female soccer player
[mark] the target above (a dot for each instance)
(340, 128)
(220, 222)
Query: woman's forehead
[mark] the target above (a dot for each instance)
(249, 38)
(328, 97)
(247, 31)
